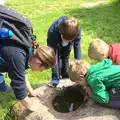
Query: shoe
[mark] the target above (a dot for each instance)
(8, 90)
(53, 83)
(64, 73)
(64, 76)
(5, 88)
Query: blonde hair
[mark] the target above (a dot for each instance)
(46, 56)
(77, 68)
(97, 48)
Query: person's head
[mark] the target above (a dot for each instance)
(42, 58)
(77, 71)
(68, 29)
(98, 50)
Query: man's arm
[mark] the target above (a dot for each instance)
(32, 92)
(53, 41)
(77, 46)
(29, 88)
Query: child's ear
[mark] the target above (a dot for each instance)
(102, 54)
(82, 77)
(38, 63)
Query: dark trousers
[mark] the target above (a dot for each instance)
(3, 68)
(65, 54)
(62, 63)
(114, 95)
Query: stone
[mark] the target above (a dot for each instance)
(89, 111)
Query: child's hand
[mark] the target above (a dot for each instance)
(36, 93)
(89, 91)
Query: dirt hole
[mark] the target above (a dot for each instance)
(69, 99)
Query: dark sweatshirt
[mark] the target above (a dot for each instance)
(15, 57)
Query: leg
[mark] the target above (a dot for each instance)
(2, 83)
(55, 71)
(114, 101)
(114, 95)
(65, 53)
(3, 86)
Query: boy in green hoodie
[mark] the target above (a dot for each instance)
(101, 80)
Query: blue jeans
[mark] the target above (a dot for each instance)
(1, 74)
(2, 83)
(1, 77)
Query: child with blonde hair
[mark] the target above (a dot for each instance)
(99, 50)
(101, 80)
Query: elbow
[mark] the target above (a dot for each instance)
(101, 99)
(104, 100)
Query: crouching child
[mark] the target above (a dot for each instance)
(101, 80)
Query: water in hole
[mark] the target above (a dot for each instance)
(68, 100)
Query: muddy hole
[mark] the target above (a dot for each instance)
(69, 99)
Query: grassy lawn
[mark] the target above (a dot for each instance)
(102, 21)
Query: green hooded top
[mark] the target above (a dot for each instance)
(101, 77)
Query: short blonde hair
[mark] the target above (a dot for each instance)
(96, 47)
(76, 69)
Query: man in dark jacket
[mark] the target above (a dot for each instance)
(19, 52)
(63, 33)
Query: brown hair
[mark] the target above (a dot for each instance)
(35, 45)
(96, 48)
(46, 55)
(69, 28)
(77, 68)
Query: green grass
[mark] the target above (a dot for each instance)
(102, 21)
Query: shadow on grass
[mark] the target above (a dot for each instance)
(101, 21)
(38, 85)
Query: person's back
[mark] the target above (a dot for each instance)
(15, 59)
(20, 26)
(114, 53)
